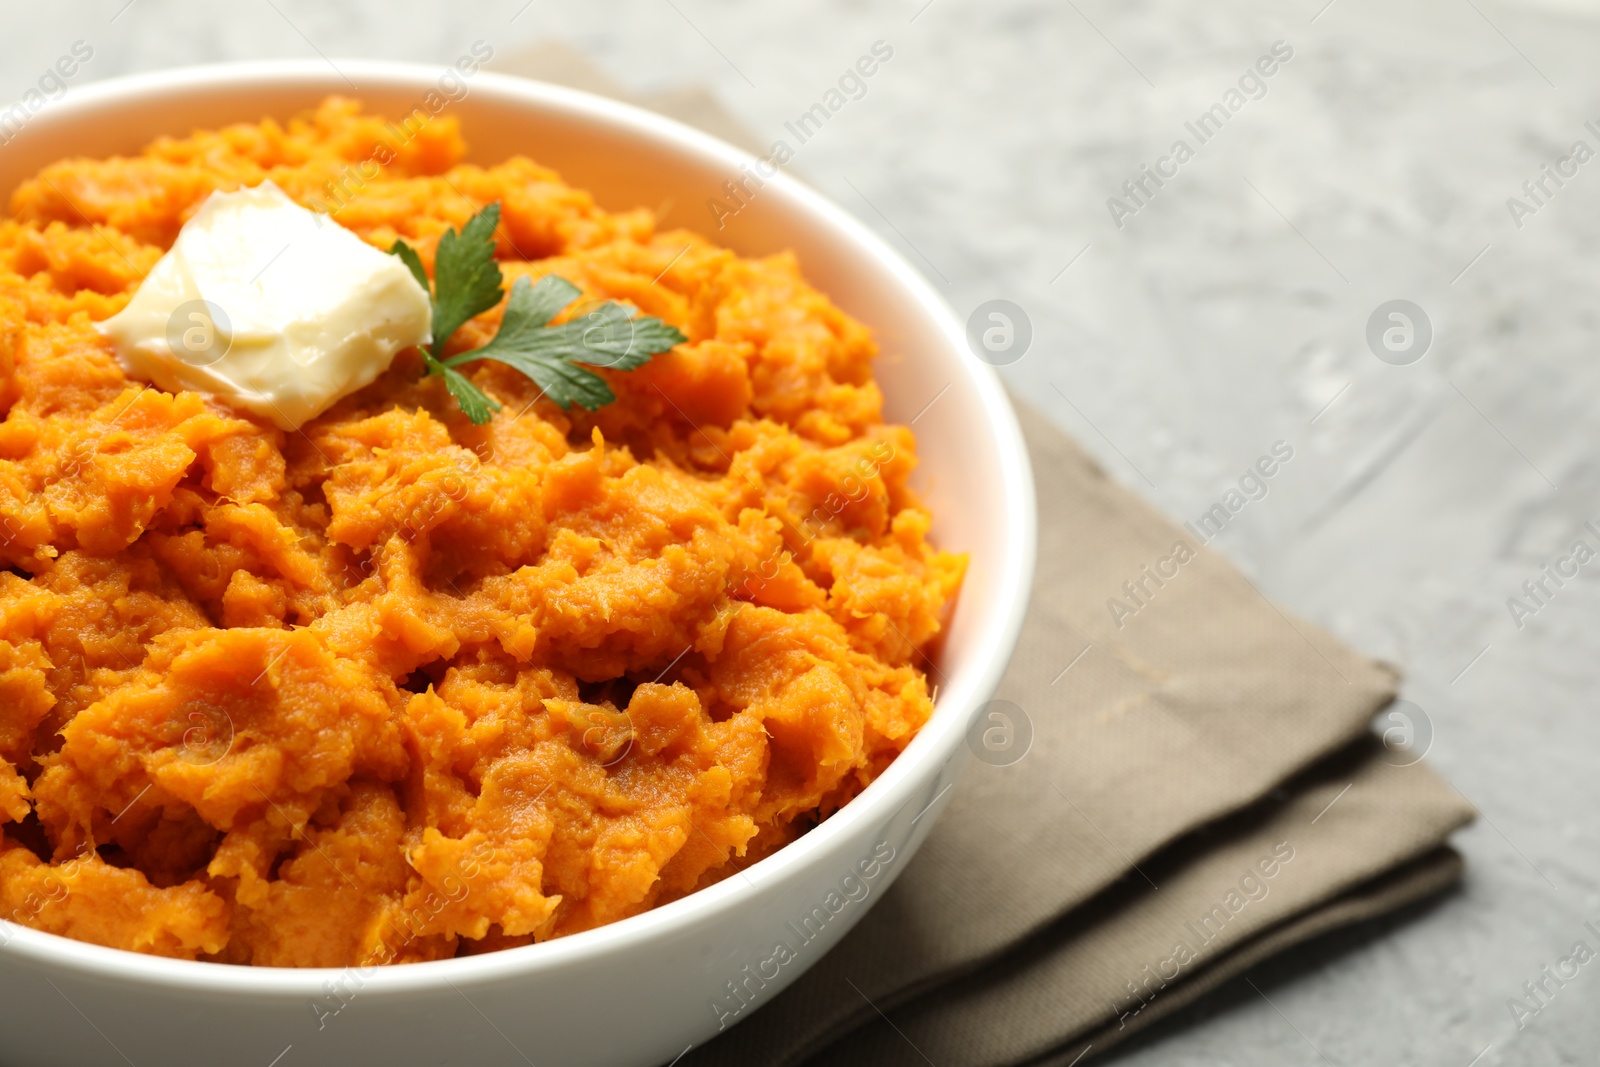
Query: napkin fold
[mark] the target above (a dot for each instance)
(1185, 784)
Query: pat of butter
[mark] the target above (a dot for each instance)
(270, 308)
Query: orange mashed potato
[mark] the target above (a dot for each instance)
(396, 687)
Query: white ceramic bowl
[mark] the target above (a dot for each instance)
(639, 991)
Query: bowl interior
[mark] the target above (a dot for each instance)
(974, 473)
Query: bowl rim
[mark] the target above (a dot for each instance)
(887, 795)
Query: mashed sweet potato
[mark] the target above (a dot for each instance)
(396, 687)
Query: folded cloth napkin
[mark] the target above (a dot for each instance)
(1170, 793)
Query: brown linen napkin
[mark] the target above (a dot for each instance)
(1135, 953)
(1199, 793)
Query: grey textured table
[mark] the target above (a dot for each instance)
(1228, 311)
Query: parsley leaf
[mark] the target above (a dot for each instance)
(473, 402)
(609, 336)
(468, 283)
(467, 278)
(413, 262)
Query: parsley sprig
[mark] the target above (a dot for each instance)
(468, 282)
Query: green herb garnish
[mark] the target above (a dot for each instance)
(468, 282)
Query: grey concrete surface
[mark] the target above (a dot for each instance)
(1227, 312)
